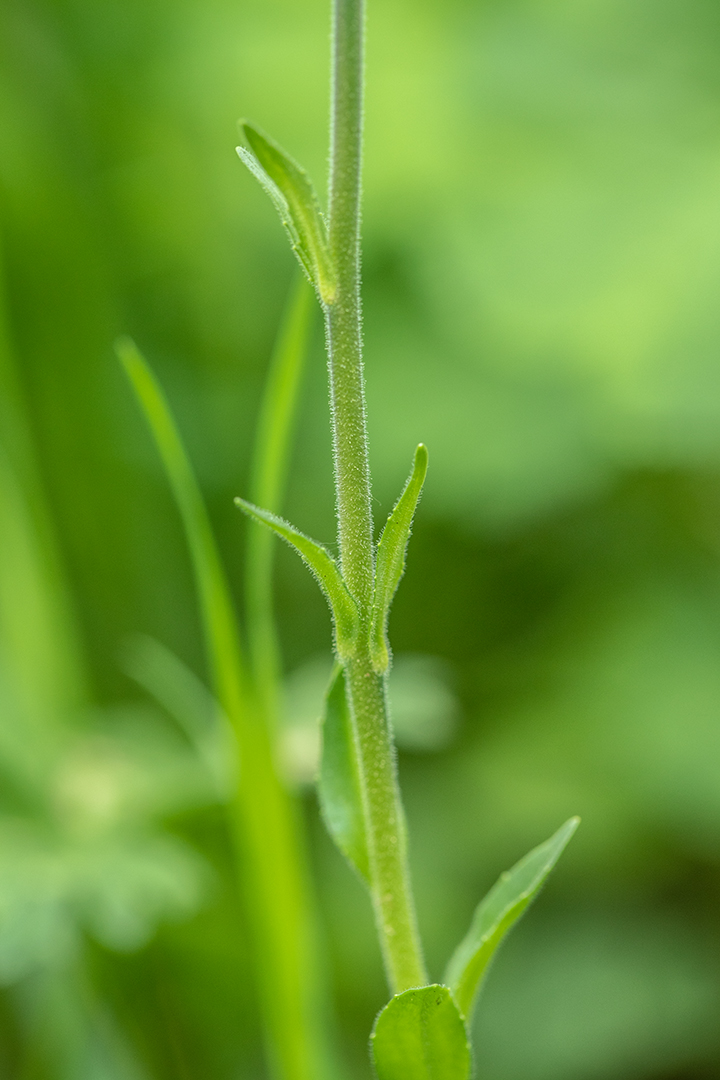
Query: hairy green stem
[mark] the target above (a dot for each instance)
(384, 819)
(385, 828)
(343, 318)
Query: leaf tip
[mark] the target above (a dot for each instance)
(420, 463)
(124, 343)
(126, 350)
(566, 831)
(250, 134)
(247, 508)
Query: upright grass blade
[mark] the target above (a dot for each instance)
(68, 1032)
(42, 677)
(267, 485)
(272, 871)
(293, 195)
(325, 569)
(339, 784)
(71, 1032)
(420, 1035)
(38, 636)
(498, 912)
(390, 562)
(218, 617)
(188, 701)
(35, 690)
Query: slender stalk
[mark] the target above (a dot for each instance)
(385, 826)
(343, 318)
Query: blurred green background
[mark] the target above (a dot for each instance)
(542, 272)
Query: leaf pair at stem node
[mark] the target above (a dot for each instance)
(389, 568)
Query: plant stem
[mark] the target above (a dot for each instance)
(385, 829)
(385, 826)
(344, 330)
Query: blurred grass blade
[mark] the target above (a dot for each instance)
(267, 484)
(290, 189)
(35, 692)
(323, 566)
(390, 564)
(420, 1035)
(339, 781)
(41, 653)
(73, 1034)
(217, 612)
(188, 701)
(42, 678)
(498, 912)
(272, 873)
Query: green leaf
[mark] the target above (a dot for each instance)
(324, 568)
(339, 781)
(293, 195)
(390, 564)
(498, 912)
(420, 1035)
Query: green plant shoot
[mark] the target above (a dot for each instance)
(421, 1034)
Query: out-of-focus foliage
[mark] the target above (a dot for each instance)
(80, 848)
(542, 257)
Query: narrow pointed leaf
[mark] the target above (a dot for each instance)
(420, 1035)
(339, 781)
(323, 567)
(293, 195)
(390, 564)
(219, 622)
(498, 912)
